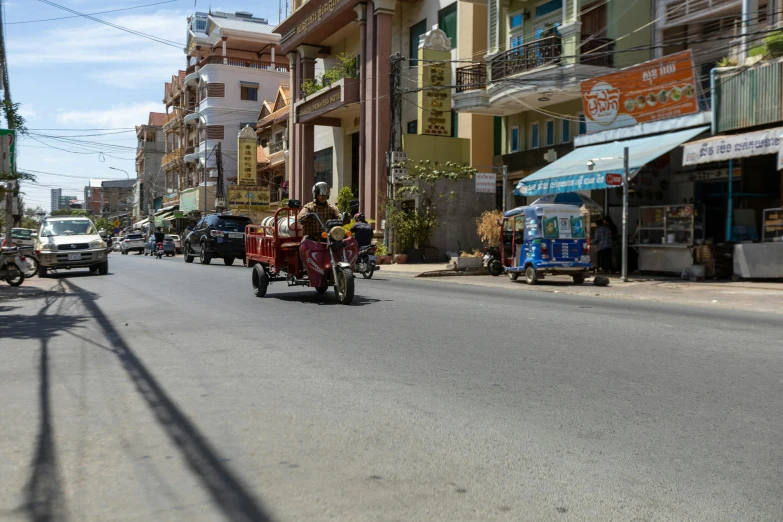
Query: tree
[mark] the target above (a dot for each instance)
(412, 227)
(32, 217)
(344, 198)
(69, 212)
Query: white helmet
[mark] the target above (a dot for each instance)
(321, 189)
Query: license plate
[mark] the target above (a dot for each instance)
(74, 257)
(372, 258)
(585, 259)
(236, 236)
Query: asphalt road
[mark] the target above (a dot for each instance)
(167, 391)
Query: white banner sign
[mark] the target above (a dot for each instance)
(485, 182)
(732, 147)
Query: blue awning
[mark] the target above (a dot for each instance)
(570, 173)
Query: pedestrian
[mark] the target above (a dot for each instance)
(603, 238)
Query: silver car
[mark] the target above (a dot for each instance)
(133, 242)
(71, 242)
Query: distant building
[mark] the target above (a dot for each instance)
(92, 197)
(149, 154)
(59, 201)
(117, 198)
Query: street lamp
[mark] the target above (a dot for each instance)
(126, 173)
(590, 167)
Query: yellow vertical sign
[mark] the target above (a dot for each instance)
(434, 98)
(247, 159)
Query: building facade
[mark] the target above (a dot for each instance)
(92, 197)
(117, 198)
(150, 149)
(233, 64)
(272, 130)
(58, 200)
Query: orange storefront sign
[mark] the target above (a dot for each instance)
(654, 90)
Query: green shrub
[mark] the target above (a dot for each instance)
(344, 198)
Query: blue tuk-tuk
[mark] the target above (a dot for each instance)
(545, 239)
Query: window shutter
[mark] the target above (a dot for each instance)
(493, 26)
(216, 90)
(214, 132)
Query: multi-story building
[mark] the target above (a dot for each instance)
(149, 155)
(92, 197)
(272, 131)
(233, 63)
(117, 198)
(59, 201)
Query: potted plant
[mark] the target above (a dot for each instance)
(382, 255)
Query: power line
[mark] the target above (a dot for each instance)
(115, 26)
(99, 12)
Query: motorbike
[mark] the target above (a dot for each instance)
(12, 265)
(159, 250)
(278, 253)
(365, 262)
(492, 262)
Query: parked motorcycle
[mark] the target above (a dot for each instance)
(492, 262)
(12, 265)
(30, 263)
(365, 262)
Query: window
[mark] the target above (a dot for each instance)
(413, 126)
(565, 131)
(534, 143)
(447, 22)
(549, 7)
(550, 132)
(514, 139)
(249, 93)
(516, 23)
(582, 124)
(416, 31)
(322, 166)
(454, 124)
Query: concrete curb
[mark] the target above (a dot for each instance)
(452, 273)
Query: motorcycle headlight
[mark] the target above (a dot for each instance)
(97, 244)
(337, 233)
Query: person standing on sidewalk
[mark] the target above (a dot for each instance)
(603, 238)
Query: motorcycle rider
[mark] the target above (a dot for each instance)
(321, 206)
(362, 231)
(159, 235)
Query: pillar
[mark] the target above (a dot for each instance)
(361, 14)
(307, 55)
(225, 61)
(367, 195)
(293, 143)
(384, 10)
(273, 58)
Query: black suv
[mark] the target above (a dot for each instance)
(217, 235)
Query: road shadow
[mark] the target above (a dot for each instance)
(228, 492)
(44, 496)
(326, 299)
(82, 272)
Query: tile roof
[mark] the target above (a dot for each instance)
(156, 119)
(261, 155)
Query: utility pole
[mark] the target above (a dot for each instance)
(10, 188)
(219, 189)
(395, 136)
(626, 179)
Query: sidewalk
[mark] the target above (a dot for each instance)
(744, 295)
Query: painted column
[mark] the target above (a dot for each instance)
(384, 10)
(361, 14)
(225, 61)
(367, 196)
(307, 55)
(293, 143)
(274, 65)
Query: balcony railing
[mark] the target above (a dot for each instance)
(173, 115)
(171, 157)
(526, 57)
(276, 146)
(683, 11)
(243, 62)
(472, 77)
(546, 51)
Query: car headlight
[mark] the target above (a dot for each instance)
(98, 243)
(337, 233)
(48, 247)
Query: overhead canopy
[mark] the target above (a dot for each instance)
(571, 173)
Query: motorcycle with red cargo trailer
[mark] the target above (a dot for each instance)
(276, 251)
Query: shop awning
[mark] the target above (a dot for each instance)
(141, 223)
(733, 146)
(571, 173)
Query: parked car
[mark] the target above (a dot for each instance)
(70, 242)
(133, 243)
(21, 237)
(177, 242)
(217, 235)
(168, 246)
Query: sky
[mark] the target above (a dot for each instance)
(91, 82)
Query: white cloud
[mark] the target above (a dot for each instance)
(119, 116)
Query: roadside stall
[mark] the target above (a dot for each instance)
(667, 235)
(762, 260)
